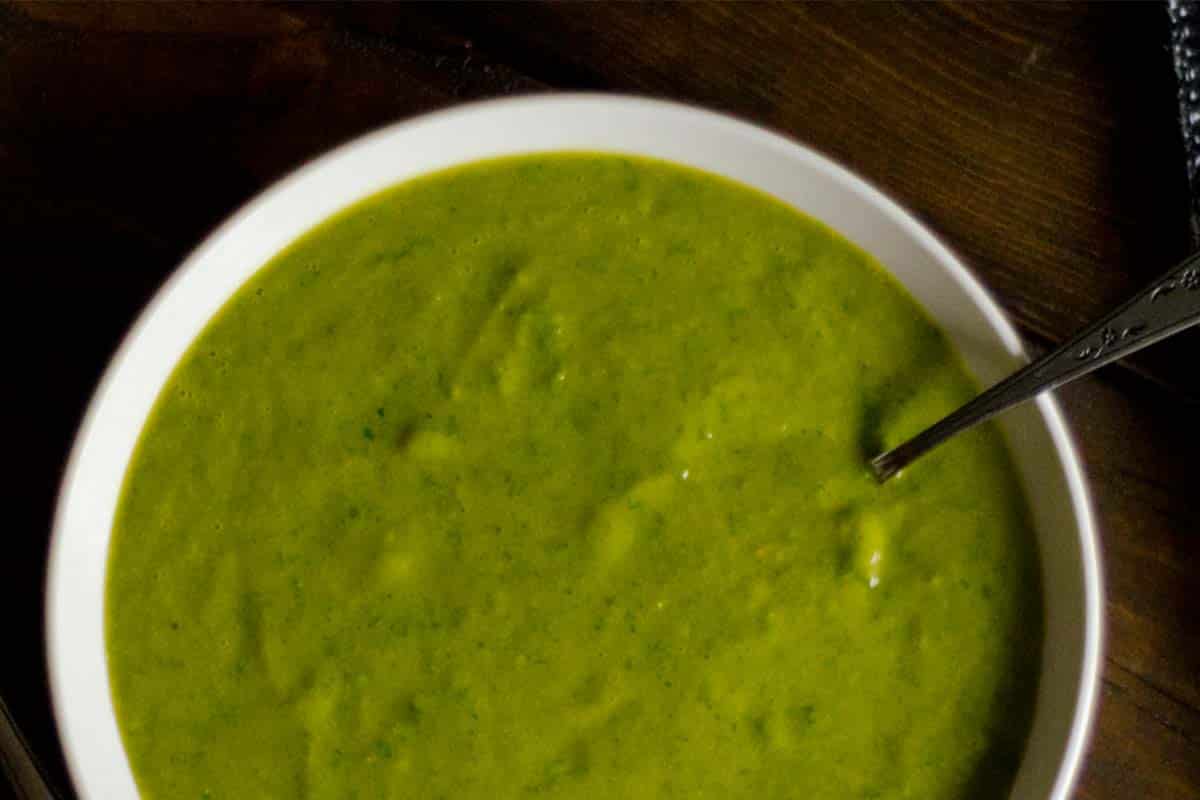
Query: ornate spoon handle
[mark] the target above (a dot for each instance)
(1162, 309)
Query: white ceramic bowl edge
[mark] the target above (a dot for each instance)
(1041, 444)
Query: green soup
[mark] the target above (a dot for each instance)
(545, 477)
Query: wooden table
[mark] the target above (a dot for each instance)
(1040, 141)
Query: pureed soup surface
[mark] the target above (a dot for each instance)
(545, 477)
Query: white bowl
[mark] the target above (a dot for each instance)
(1039, 439)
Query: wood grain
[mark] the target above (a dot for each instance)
(1039, 140)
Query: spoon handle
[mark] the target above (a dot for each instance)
(18, 762)
(1162, 309)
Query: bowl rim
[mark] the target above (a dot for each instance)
(1087, 696)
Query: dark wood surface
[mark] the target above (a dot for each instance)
(1039, 140)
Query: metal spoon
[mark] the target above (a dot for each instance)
(22, 769)
(1162, 309)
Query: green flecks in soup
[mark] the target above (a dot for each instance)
(545, 477)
